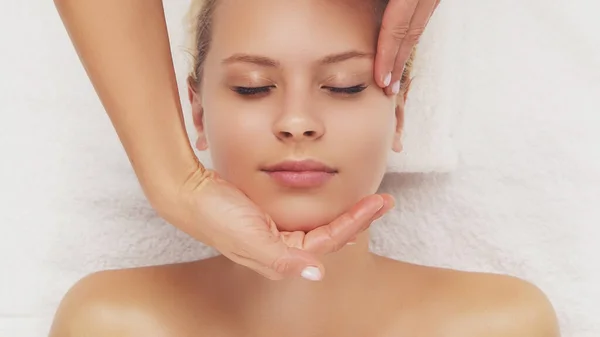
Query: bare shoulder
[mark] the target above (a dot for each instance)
(501, 306)
(148, 301)
(479, 304)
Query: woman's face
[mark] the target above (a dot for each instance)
(289, 110)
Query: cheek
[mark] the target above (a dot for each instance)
(368, 144)
(369, 137)
(233, 140)
(370, 163)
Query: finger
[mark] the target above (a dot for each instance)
(332, 237)
(297, 263)
(394, 27)
(268, 254)
(255, 266)
(315, 273)
(419, 21)
(388, 203)
(294, 239)
(352, 241)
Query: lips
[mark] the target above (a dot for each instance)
(300, 174)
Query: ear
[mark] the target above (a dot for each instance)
(197, 114)
(397, 142)
(400, 104)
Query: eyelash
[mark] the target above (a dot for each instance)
(348, 90)
(254, 91)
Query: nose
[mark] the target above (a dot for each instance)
(297, 123)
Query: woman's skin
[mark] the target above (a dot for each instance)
(300, 116)
(124, 48)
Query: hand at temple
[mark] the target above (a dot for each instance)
(403, 24)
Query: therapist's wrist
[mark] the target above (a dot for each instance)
(163, 186)
(177, 202)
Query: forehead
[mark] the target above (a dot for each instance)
(282, 28)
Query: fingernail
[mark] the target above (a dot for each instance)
(351, 243)
(311, 274)
(387, 80)
(396, 87)
(382, 205)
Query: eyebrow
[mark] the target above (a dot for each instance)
(269, 62)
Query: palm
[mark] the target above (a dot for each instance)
(240, 230)
(251, 222)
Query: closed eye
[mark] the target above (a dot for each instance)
(252, 91)
(346, 90)
(255, 91)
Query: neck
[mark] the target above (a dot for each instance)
(346, 273)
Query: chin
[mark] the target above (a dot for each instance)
(294, 215)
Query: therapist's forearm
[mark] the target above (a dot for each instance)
(124, 48)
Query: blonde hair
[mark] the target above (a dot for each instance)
(200, 20)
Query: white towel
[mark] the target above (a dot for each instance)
(523, 89)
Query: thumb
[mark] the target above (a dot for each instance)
(280, 261)
(275, 259)
(296, 262)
